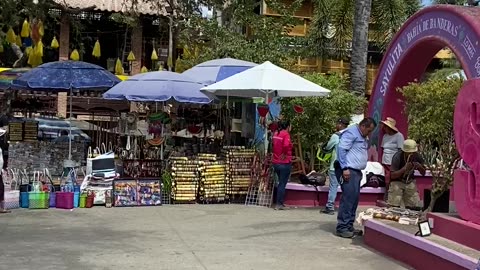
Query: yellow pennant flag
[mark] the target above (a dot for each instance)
(97, 52)
(131, 57)
(154, 55)
(39, 48)
(18, 41)
(118, 67)
(34, 60)
(75, 56)
(41, 29)
(54, 44)
(25, 29)
(144, 69)
(11, 37)
(29, 50)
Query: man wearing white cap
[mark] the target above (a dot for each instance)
(403, 186)
(2, 186)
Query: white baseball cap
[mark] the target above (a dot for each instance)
(2, 132)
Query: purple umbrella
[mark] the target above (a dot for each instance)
(159, 86)
(214, 71)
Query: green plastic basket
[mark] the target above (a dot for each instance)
(83, 200)
(38, 200)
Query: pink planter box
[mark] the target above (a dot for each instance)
(306, 196)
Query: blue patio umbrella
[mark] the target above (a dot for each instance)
(66, 76)
(214, 71)
(159, 86)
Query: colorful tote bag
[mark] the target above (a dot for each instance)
(12, 192)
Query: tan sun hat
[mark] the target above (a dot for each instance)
(410, 146)
(391, 123)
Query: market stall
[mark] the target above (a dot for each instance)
(266, 80)
(40, 190)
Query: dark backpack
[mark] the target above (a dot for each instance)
(315, 179)
(374, 181)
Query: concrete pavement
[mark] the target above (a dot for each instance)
(179, 237)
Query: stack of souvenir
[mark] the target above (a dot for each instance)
(212, 179)
(30, 131)
(184, 179)
(15, 131)
(239, 165)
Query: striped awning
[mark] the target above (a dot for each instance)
(120, 6)
(7, 75)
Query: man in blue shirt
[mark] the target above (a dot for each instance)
(352, 157)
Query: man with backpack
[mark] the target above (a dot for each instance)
(331, 148)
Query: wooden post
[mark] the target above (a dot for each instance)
(64, 50)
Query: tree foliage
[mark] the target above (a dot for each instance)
(337, 16)
(317, 123)
(242, 33)
(430, 107)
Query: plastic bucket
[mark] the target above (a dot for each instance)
(65, 200)
(83, 200)
(53, 199)
(90, 200)
(76, 199)
(24, 199)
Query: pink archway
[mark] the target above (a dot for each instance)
(406, 60)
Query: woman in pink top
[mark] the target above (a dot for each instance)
(282, 160)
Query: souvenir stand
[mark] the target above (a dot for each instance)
(140, 183)
(210, 178)
(239, 166)
(266, 80)
(157, 87)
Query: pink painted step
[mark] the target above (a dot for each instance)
(456, 229)
(415, 251)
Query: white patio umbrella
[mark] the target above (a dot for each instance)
(266, 80)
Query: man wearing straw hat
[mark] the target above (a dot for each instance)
(392, 142)
(2, 186)
(403, 186)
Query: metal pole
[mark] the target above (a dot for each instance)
(266, 129)
(70, 126)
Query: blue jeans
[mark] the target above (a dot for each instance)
(349, 201)
(332, 192)
(283, 172)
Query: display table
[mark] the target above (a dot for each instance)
(306, 196)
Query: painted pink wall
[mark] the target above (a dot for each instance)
(407, 58)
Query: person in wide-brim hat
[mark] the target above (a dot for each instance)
(392, 141)
(390, 123)
(2, 186)
(403, 188)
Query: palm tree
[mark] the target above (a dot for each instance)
(358, 61)
(344, 29)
